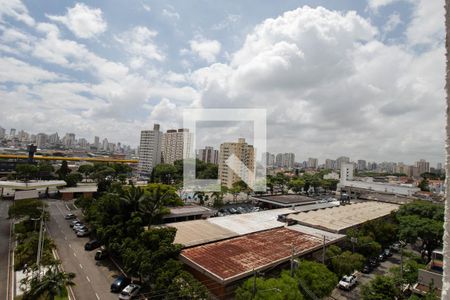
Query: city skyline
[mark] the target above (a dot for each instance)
(322, 70)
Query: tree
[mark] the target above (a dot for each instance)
(424, 185)
(380, 288)
(63, 171)
(86, 170)
(73, 178)
(329, 184)
(282, 288)
(346, 263)
(152, 206)
(317, 278)
(52, 284)
(410, 272)
(281, 180)
(165, 173)
(26, 172)
(296, 185)
(132, 196)
(45, 171)
(31, 208)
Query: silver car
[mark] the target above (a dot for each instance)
(130, 291)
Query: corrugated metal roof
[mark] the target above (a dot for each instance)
(191, 233)
(251, 222)
(345, 216)
(232, 259)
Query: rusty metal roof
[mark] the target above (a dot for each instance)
(232, 259)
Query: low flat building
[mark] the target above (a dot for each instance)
(198, 232)
(188, 212)
(75, 192)
(341, 218)
(222, 266)
(288, 200)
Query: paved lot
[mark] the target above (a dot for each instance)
(365, 278)
(93, 279)
(5, 228)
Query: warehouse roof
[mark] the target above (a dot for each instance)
(233, 259)
(251, 222)
(343, 217)
(189, 210)
(190, 233)
(31, 185)
(80, 189)
(286, 200)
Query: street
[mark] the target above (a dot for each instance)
(354, 294)
(5, 229)
(93, 279)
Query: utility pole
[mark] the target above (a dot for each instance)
(401, 265)
(323, 251)
(292, 261)
(40, 244)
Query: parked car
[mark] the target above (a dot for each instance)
(101, 254)
(79, 227)
(83, 233)
(130, 291)
(367, 268)
(75, 222)
(387, 252)
(373, 262)
(70, 217)
(381, 257)
(91, 245)
(348, 282)
(119, 284)
(395, 246)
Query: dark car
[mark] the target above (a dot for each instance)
(381, 257)
(119, 284)
(91, 245)
(373, 262)
(367, 268)
(101, 254)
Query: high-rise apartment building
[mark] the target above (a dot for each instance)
(97, 142)
(279, 160)
(330, 164)
(245, 153)
(2, 132)
(53, 139)
(69, 140)
(82, 142)
(362, 165)
(313, 163)
(269, 159)
(41, 140)
(423, 166)
(173, 144)
(12, 133)
(149, 150)
(439, 166)
(208, 155)
(346, 172)
(342, 160)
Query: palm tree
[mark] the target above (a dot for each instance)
(53, 283)
(152, 206)
(133, 196)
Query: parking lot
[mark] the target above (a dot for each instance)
(354, 294)
(93, 279)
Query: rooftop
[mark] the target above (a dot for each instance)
(31, 185)
(80, 189)
(232, 259)
(189, 210)
(343, 217)
(190, 233)
(286, 200)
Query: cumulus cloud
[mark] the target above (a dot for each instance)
(139, 43)
(15, 71)
(16, 10)
(170, 13)
(84, 21)
(427, 24)
(205, 49)
(325, 79)
(393, 21)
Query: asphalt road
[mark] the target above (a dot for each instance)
(93, 279)
(354, 294)
(5, 229)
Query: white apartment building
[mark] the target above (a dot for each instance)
(173, 142)
(313, 163)
(149, 150)
(246, 154)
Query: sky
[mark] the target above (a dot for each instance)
(354, 78)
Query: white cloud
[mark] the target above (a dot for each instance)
(427, 24)
(146, 7)
(82, 20)
(228, 22)
(170, 13)
(139, 43)
(15, 71)
(393, 21)
(375, 4)
(326, 80)
(205, 49)
(15, 9)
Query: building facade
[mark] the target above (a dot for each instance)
(173, 144)
(245, 153)
(208, 155)
(149, 150)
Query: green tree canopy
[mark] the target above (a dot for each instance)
(296, 185)
(63, 170)
(282, 288)
(31, 208)
(52, 284)
(73, 178)
(26, 172)
(380, 288)
(316, 277)
(346, 263)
